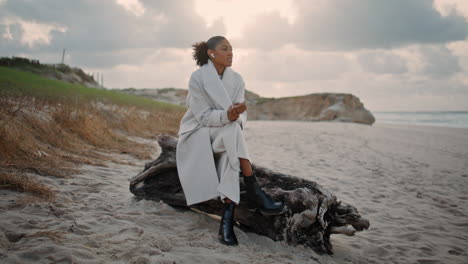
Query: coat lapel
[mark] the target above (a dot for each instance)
(216, 87)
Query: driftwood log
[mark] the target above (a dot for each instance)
(312, 213)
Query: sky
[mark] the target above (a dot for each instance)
(398, 55)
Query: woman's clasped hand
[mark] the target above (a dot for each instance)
(235, 110)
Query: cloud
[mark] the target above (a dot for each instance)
(290, 64)
(268, 31)
(29, 33)
(439, 62)
(382, 62)
(355, 25)
(166, 67)
(393, 55)
(133, 6)
(97, 28)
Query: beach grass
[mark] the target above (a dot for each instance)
(50, 127)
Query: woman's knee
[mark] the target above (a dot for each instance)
(233, 125)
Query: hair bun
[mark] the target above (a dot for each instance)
(200, 49)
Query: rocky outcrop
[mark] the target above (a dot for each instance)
(341, 107)
(312, 107)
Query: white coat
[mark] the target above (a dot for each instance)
(208, 100)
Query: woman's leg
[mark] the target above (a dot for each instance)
(226, 233)
(246, 167)
(229, 146)
(229, 183)
(246, 171)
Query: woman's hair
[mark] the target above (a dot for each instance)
(200, 49)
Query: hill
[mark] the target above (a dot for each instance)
(341, 107)
(61, 72)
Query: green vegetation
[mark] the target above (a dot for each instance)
(166, 90)
(264, 99)
(19, 83)
(36, 67)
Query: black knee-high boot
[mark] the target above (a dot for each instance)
(226, 229)
(258, 199)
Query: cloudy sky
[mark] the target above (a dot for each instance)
(398, 55)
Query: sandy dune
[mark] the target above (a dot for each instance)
(409, 181)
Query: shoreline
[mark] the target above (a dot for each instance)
(419, 125)
(377, 123)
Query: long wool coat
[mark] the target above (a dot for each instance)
(208, 100)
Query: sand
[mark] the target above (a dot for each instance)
(409, 181)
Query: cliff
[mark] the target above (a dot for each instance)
(340, 107)
(312, 107)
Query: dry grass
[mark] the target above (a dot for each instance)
(30, 141)
(56, 236)
(53, 137)
(145, 123)
(23, 183)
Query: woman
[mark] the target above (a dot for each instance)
(211, 152)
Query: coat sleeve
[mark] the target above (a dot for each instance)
(242, 120)
(198, 104)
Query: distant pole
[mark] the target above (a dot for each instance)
(97, 78)
(102, 80)
(63, 55)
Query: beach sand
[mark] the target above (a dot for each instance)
(409, 181)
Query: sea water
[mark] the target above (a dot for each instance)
(444, 119)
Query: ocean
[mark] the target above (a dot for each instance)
(444, 118)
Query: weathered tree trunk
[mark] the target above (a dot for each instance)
(312, 214)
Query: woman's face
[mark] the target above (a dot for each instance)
(222, 54)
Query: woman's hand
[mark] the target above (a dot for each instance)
(232, 113)
(240, 107)
(235, 110)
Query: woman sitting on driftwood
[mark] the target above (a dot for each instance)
(211, 152)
